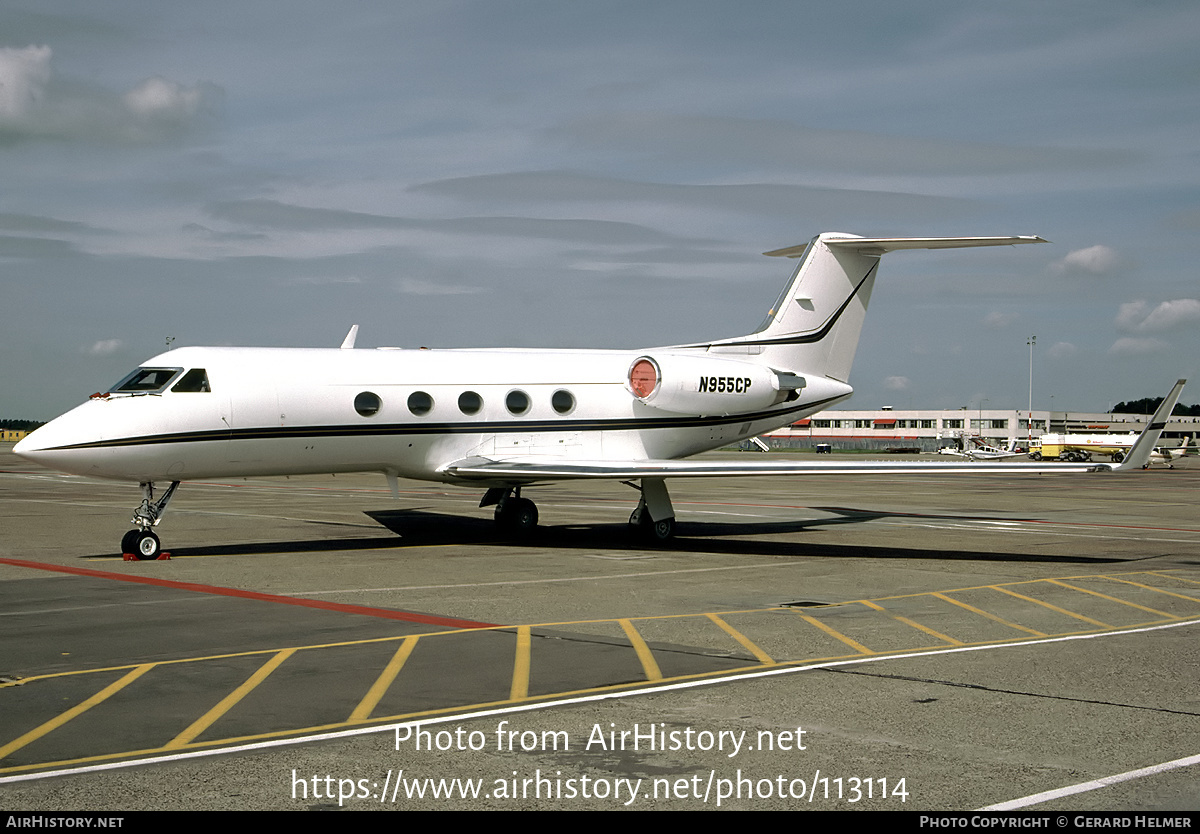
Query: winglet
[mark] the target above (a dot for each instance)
(1139, 455)
(351, 337)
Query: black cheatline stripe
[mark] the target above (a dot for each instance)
(280, 432)
(802, 338)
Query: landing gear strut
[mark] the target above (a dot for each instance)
(654, 517)
(142, 544)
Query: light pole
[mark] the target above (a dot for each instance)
(1031, 341)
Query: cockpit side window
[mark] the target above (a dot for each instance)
(146, 381)
(194, 381)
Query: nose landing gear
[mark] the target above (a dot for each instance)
(142, 544)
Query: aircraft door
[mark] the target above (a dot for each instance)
(247, 410)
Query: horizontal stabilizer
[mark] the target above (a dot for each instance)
(880, 245)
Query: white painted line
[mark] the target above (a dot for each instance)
(537, 581)
(581, 699)
(1095, 784)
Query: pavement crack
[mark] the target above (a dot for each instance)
(1026, 694)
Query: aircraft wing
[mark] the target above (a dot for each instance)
(531, 469)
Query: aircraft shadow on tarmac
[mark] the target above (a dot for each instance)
(417, 527)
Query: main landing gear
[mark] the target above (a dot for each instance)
(142, 544)
(653, 518)
(514, 515)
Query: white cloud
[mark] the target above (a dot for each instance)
(105, 347)
(996, 320)
(23, 77)
(416, 286)
(1094, 260)
(896, 383)
(1172, 314)
(158, 98)
(1135, 346)
(31, 107)
(1132, 316)
(1062, 350)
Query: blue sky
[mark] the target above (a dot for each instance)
(558, 174)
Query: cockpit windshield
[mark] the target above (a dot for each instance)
(146, 381)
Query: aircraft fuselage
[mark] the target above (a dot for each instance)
(288, 411)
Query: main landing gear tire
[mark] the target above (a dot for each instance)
(141, 543)
(518, 516)
(656, 532)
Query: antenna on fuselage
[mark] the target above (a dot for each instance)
(351, 337)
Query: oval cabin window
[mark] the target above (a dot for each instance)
(562, 401)
(517, 402)
(367, 404)
(469, 402)
(420, 403)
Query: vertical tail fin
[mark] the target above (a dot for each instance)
(1139, 455)
(815, 325)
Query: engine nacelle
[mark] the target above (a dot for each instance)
(704, 385)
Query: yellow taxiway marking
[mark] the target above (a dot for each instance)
(1109, 598)
(1152, 588)
(519, 685)
(1051, 607)
(519, 690)
(833, 632)
(1180, 578)
(749, 645)
(990, 616)
(227, 703)
(913, 624)
(101, 696)
(363, 711)
(649, 665)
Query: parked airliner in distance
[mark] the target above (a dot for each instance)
(503, 419)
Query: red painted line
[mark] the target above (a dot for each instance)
(382, 613)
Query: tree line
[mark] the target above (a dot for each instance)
(20, 425)
(1146, 405)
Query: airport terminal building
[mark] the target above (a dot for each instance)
(929, 430)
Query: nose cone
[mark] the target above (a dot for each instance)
(56, 444)
(31, 444)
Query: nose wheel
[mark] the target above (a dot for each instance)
(142, 544)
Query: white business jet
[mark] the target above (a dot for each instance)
(500, 419)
